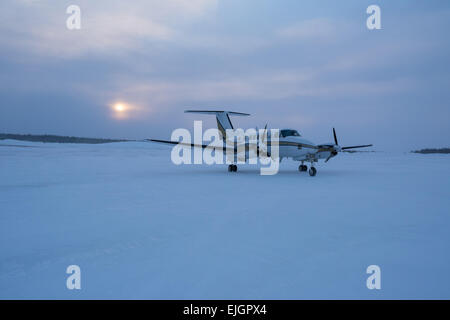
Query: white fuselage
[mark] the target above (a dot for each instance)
(291, 147)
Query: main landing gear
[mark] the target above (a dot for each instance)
(232, 168)
(312, 171)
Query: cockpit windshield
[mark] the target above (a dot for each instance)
(289, 132)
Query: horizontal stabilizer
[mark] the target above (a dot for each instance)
(217, 112)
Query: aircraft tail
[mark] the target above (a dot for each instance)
(222, 117)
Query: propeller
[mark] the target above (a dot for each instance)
(264, 134)
(331, 156)
(263, 145)
(336, 148)
(335, 138)
(353, 147)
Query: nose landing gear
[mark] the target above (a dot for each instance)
(232, 168)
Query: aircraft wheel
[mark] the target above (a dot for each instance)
(302, 168)
(312, 171)
(232, 168)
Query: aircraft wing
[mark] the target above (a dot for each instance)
(193, 145)
(354, 147)
(248, 146)
(205, 146)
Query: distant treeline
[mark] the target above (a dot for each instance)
(54, 139)
(431, 150)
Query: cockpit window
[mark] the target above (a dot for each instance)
(289, 132)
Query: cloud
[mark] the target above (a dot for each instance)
(116, 27)
(107, 27)
(101, 36)
(267, 85)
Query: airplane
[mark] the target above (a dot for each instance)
(291, 143)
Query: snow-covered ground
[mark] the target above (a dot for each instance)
(140, 227)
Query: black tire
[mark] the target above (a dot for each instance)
(234, 168)
(312, 171)
(302, 168)
(230, 168)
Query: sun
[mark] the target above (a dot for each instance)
(122, 110)
(119, 107)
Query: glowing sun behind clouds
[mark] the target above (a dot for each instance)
(118, 107)
(121, 110)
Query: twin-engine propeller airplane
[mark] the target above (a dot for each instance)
(291, 144)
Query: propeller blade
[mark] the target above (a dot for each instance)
(335, 138)
(265, 131)
(353, 147)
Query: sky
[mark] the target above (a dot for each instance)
(307, 65)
